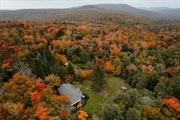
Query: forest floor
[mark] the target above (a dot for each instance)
(97, 101)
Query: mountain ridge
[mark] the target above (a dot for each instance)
(85, 11)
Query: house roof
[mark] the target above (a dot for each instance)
(73, 93)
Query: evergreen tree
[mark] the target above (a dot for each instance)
(44, 64)
(98, 79)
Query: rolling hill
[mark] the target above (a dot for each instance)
(168, 12)
(87, 12)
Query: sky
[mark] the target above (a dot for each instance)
(34, 4)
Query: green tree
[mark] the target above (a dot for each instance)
(175, 85)
(112, 112)
(133, 114)
(128, 98)
(44, 63)
(98, 79)
(70, 68)
(163, 89)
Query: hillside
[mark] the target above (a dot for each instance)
(169, 12)
(83, 13)
(132, 11)
(73, 14)
(125, 72)
(94, 62)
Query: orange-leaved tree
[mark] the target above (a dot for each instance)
(109, 67)
(26, 97)
(173, 103)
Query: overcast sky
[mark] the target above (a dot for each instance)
(26, 4)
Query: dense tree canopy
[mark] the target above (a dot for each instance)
(36, 58)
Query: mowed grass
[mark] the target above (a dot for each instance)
(97, 101)
(114, 84)
(94, 103)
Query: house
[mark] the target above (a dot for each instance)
(74, 94)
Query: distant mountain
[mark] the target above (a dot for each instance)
(64, 15)
(85, 13)
(129, 10)
(169, 12)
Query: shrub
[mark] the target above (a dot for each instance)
(112, 112)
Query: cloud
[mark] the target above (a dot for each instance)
(26, 4)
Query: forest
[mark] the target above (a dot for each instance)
(129, 69)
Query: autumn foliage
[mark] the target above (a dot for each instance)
(115, 52)
(173, 103)
(109, 67)
(86, 73)
(82, 115)
(40, 98)
(145, 54)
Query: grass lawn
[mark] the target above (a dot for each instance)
(114, 84)
(97, 101)
(94, 103)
